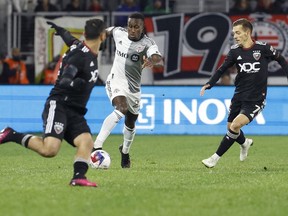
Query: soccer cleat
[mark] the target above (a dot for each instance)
(210, 162)
(82, 182)
(5, 135)
(244, 149)
(125, 158)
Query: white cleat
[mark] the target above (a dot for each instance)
(210, 162)
(244, 149)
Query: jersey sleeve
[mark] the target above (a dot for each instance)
(153, 49)
(271, 52)
(274, 54)
(77, 60)
(228, 62)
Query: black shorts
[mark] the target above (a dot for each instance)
(63, 122)
(248, 108)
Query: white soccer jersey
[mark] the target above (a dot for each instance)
(127, 65)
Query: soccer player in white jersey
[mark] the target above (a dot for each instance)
(134, 51)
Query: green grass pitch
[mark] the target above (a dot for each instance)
(166, 178)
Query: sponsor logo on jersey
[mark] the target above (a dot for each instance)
(249, 67)
(256, 54)
(58, 127)
(135, 57)
(124, 55)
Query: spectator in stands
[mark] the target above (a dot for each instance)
(45, 6)
(50, 72)
(241, 7)
(267, 6)
(17, 73)
(282, 5)
(74, 5)
(95, 5)
(3, 70)
(155, 6)
(126, 6)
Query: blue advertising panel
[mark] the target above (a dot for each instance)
(164, 110)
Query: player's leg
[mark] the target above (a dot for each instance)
(78, 134)
(230, 137)
(228, 140)
(250, 110)
(48, 147)
(121, 107)
(129, 132)
(84, 145)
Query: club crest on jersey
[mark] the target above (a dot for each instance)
(135, 57)
(140, 49)
(256, 54)
(58, 127)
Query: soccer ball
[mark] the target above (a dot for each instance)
(100, 159)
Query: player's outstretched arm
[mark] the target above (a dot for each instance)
(65, 35)
(154, 61)
(202, 91)
(282, 61)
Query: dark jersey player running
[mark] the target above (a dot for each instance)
(251, 59)
(64, 111)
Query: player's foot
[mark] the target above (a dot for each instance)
(244, 149)
(82, 182)
(211, 161)
(125, 158)
(5, 135)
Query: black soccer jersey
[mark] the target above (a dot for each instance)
(252, 70)
(80, 56)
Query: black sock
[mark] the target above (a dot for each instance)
(241, 138)
(80, 169)
(20, 138)
(226, 142)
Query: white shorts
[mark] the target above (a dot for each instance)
(115, 87)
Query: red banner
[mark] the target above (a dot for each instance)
(196, 45)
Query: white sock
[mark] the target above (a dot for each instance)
(215, 156)
(108, 125)
(128, 135)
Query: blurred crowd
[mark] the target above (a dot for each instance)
(260, 6)
(92, 5)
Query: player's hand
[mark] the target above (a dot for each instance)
(147, 63)
(202, 91)
(56, 27)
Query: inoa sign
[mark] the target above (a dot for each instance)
(164, 110)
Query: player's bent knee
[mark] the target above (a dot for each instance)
(235, 126)
(49, 153)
